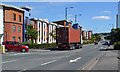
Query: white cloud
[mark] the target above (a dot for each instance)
(101, 17)
(107, 11)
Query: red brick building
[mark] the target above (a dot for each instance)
(13, 23)
(89, 34)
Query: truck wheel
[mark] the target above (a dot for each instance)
(73, 47)
(70, 48)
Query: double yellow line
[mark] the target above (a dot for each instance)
(88, 63)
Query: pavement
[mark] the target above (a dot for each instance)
(108, 60)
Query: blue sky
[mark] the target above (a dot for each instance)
(96, 16)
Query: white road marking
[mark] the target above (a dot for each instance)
(48, 62)
(101, 47)
(75, 60)
(9, 61)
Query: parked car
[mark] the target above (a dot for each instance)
(106, 43)
(15, 46)
(96, 43)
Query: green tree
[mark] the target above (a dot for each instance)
(115, 34)
(31, 33)
(53, 34)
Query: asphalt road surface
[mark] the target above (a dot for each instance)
(51, 60)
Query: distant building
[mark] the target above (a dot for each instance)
(89, 34)
(13, 22)
(84, 34)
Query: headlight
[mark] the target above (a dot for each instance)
(26, 46)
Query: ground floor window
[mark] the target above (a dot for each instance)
(13, 38)
(19, 39)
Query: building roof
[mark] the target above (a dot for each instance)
(53, 23)
(45, 20)
(63, 21)
(29, 8)
(4, 5)
(33, 19)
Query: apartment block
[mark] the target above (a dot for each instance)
(84, 34)
(89, 34)
(26, 21)
(13, 23)
(1, 24)
(52, 28)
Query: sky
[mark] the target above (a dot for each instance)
(95, 16)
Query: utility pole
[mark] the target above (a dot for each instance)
(76, 17)
(66, 12)
(117, 21)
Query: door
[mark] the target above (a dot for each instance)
(16, 46)
(10, 45)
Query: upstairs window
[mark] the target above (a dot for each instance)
(19, 18)
(19, 28)
(13, 28)
(14, 17)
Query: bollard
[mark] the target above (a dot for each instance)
(3, 48)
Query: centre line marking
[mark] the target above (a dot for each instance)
(48, 62)
(9, 61)
(75, 60)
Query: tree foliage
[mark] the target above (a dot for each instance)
(53, 34)
(115, 34)
(31, 33)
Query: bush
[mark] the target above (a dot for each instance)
(88, 42)
(117, 45)
(39, 46)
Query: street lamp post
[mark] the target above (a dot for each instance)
(76, 18)
(66, 12)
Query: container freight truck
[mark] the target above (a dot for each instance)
(68, 38)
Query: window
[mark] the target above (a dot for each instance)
(19, 18)
(13, 28)
(66, 23)
(15, 43)
(13, 38)
(19, 28)
(44, 26)
(14, 17)
(19, 39)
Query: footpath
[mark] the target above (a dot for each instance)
(109, 60)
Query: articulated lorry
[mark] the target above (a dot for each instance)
(69, 38)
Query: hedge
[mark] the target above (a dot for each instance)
(117, 45)
(88, 42)
(39, 46)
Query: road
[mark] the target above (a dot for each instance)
(51, 60)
